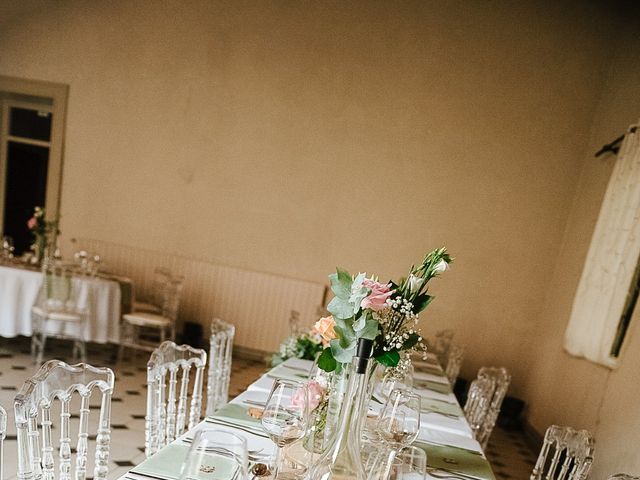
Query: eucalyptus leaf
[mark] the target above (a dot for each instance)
(370, 330)
(341, 284)
(359, 323)
(340, 354)
(340, 308)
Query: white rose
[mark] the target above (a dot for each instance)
(441, 266)
(414, 283)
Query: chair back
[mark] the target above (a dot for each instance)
(171, 297)
(455, 355)
(57, 290)
(166, 405)
(3, 434)
(220, 357)
(566, 454)
(485, 400)
(161, 277)
(57, 381)
(440, 345)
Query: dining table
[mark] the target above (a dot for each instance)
(445, 435)
(101, 296)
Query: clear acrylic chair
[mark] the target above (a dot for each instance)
(484, 401)
(566, 454)
(220, 357)
(62, 386)
(440, 344)
(145, 330)
(161, 278)
(455, 355)
(3, 434)
(56, 313)
(166, 404)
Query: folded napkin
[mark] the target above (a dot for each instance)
(438, 406)
(236, 414)
(298, 364)
(263, 384)
(458, 426)
(167, 464)
(434, 386)
(442, 438)
(252, 396)
(285, 373)
(431, 377)
(456, 460)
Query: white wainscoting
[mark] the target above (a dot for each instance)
(258, 304)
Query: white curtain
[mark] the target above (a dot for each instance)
(611, 262)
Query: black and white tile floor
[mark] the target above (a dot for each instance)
(509, 455)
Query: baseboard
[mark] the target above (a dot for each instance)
(533, 438)
(250, 354)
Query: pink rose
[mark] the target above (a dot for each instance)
(324, 327)
(315, 393)
(377, 299)
(32, 223)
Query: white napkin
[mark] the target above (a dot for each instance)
(445, 438)
(298, 364)
(445, 397)
(433, 421)
(263, 384)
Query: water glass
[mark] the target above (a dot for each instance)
(216, 455)
(285, 418)
(399, 421)
(410, 463)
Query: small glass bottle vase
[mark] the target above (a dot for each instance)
(342, 458)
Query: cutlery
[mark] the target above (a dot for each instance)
(255, 402)
(446, 473)
(238, 427)
(449, 415)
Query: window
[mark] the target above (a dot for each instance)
(609, 287)
(31, 136)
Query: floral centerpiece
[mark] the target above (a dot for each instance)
(44, 232)
(386, 313)
(304, 345)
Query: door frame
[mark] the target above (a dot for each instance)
(58, 93)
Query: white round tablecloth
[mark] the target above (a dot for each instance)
(19, 289)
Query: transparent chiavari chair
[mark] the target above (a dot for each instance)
(3, 434)
(220, 357)
(166, 417)
(56, 313)
(161, 277)
(566, 454)
(484, 401)
(455, 355)
(69, 385)
(622, 476)
(145, 330)
(440, 345)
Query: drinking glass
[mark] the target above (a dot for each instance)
(410, 463)
(399, 420)
(216, 454)
(285, 418)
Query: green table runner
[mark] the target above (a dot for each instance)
(167, 464)
(433, 405)
(457, 461)
(236, 414)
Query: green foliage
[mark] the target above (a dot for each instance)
(411, 341)
(326, 361)
(389, 359)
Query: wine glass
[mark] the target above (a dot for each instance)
(218, 452)
(285, 418)
(410, 463)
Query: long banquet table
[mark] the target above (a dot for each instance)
(451, 450)
(19, 289)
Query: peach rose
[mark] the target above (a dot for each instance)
(324, 327)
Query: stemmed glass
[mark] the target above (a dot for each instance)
(216, 454)
(285, 418)
(398, 426)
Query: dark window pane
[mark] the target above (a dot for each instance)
(26, 187)
(29, 123)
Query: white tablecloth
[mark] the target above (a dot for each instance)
(19, 290)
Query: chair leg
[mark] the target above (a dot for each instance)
(43, 344)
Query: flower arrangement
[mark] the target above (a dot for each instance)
(386, 313)
(44, 232)
(305, 346)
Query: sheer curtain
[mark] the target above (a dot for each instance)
(611, 262)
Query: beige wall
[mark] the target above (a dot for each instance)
(571, 391)
(290, 137)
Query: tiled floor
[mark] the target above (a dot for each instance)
(507, 451)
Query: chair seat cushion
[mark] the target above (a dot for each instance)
(146, 319)
(145, 307)
(61, 315)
